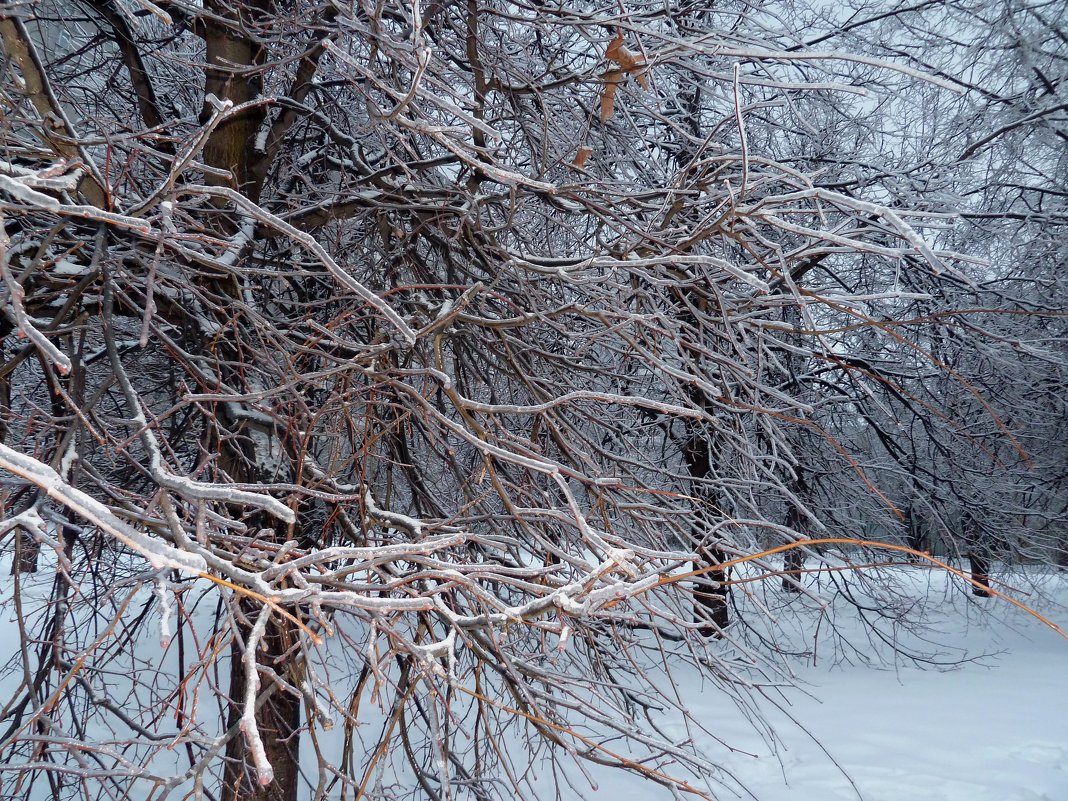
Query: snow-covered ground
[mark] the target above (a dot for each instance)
(993, 728)
(986, 719)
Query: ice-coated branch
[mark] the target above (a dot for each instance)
(159, 554)
(15, 296)
(264, 771)
(160, 590)
(309, 243)
(180, 484)
(21, 191)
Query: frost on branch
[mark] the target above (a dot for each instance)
(159, 554)
(496, 368)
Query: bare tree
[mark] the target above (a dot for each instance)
(400, 359)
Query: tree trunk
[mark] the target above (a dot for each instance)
(794, 559)
(980, 567)
(916, 539)
(794, 563)
(278, 719)
(711, 593)
(236, 59)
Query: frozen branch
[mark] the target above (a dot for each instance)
(158, 554)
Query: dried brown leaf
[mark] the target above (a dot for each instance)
(611, 79)
(630, 63)
(626, 58)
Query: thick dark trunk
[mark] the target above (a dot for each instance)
(278, 717)
(26, 547)
(711, 593)
(236, 58)
(794, 563)
(980, 567)
(278, 720)
(794, 559)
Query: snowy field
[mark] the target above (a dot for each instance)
(986, 719)
(993, 728)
